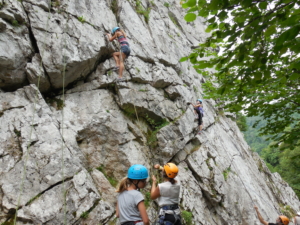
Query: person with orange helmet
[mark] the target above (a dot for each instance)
(281, 220)
(297, 219)
(167, 195)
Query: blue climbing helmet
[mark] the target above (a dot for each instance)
(114, 30)
(199, 100)
(137, 172)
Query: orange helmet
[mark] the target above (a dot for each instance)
(171, 170)
(284, 220)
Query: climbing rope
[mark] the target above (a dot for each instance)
(62, 124)
(21, 186)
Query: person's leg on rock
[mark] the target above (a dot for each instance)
(121, 65)
(116, 56)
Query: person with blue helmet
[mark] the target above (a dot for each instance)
(130, 208)
(198, 109)
(119, 57)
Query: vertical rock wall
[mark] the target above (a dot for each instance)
(61, 155)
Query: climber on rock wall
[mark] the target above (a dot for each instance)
(198, 109)
(119, 57)
(281, 220)
(297, 219)
(130, 207)
(167, 195)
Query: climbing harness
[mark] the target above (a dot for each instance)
(170, 210)
(134, 222)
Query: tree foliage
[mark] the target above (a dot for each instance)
(254, 48)
(256, 142)
(286, 163)
(241, 122)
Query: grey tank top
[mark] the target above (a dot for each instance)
(297, 218)
(169, 193)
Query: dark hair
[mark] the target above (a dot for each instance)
(172, 180)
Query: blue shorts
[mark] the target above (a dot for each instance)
(126, 50)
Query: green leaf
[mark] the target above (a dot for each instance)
(212, 20)
(193, 9)
(294, 76)
(221, 90)
(223, 15)
(290, 21)
(203, 13)
(282, 38)
(191, 3)
(222, 26)
(213, 5)
(184, 5)
(240, 19)
(263, 5)
(246, 3)
(190, 17)
(201, 2)
(283, 80)
(258, 76)
(263, 60)
(271, 30)
(293, 32)
(295, 65)
(183, 59)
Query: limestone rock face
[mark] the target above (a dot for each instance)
(15, 44)
(63, 151)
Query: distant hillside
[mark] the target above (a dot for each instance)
(256, 142)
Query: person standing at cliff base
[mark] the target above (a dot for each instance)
(167, 195)
(281, 220)
(130, 208)
(297, 219)
(119, 57)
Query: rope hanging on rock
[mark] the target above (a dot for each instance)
(21, 186)
(62, 123)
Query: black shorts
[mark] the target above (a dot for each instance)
(199, 116)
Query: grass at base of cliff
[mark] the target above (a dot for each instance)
(187, 217)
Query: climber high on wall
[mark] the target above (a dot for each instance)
(198, 110)
(119, 57)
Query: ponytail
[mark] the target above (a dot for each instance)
(123, 185)
(172, 180)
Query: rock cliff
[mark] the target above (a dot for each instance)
(69, 132)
